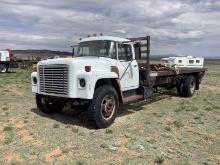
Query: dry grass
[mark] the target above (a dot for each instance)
(164, 130)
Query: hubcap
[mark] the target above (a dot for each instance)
(108, 107)
(192, 87)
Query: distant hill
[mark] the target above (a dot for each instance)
(175, 55)
(51, 53)
(156, 56)
(40, 53)
(213, 57)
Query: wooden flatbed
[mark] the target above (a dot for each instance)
(161, 75)
(185, 79)
(160, 70)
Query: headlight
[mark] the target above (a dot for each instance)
(34, 80)
(82, 82)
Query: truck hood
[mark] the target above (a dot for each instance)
(79, 63)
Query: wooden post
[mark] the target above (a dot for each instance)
(148, 62)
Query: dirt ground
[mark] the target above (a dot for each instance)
(166, 129)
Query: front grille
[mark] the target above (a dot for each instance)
(54, 79)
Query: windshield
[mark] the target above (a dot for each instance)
(97, 49)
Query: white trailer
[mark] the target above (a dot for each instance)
(4, 61)
(188, 62)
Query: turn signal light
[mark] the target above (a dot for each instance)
(87, 68)
(115, 69)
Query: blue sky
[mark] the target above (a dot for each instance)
(183, 27)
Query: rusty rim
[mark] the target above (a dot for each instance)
(108, 107)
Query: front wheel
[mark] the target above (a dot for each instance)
(3, 68)
(48, 105)
(104, 106)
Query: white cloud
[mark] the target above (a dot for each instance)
(120, 31)
(175, 26)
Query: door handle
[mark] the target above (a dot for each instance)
(134, 65)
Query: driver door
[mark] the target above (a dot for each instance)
(128, 67)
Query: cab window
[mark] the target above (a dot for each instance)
(97, 49)
(124, 52)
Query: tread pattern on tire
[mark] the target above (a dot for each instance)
(94, 112)
(186, 86)
(183, 89)
(180, 90)
(6, 68)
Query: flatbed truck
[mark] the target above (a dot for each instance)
(105, 73)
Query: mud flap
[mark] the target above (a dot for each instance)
(146, 91)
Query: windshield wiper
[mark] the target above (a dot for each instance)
(103, 56)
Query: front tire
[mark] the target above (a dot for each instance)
(3, 68)
(104, 106)
(48, 105)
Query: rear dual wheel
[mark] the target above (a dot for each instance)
(187, 88)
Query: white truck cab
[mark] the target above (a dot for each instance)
(4, 61)
(95, 60)
(99, 60)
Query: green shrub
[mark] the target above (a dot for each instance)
(178, 123)
(5, 107)
(208, 108)
(7, 128)
(65, 150)
(8, 140)
(109, 131)
(197, 117)
(75, 129)
(159, 159)
(55, 125)
(167, 128)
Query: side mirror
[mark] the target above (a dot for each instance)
(73, 49)
(73, 52)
